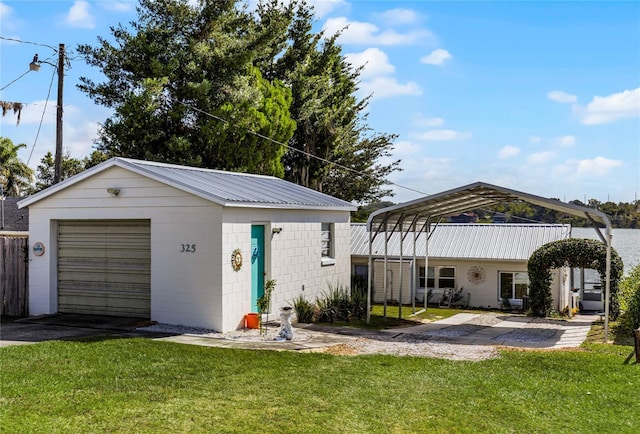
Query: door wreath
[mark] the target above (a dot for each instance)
(236, 260)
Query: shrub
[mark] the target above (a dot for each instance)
(359, 299)
(303, 309)
(629, 297)
(334, 305)
(572, 252)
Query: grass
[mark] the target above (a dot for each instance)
(378, 321)
(145, 386)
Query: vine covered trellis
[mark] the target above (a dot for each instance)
(575, 253)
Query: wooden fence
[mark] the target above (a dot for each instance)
(14, 275)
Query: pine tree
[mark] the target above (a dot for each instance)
(184, 88)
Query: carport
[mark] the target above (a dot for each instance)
(414, 217)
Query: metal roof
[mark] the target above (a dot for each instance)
(225, 188)
(466, 198)
(507, 242)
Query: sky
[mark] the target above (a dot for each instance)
(541, 97)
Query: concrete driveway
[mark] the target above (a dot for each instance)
(69, 327)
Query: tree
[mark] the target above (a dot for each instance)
(331, 122)
(45, 170)
(15, 176)
(185, 90)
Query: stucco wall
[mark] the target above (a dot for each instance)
(485, 294)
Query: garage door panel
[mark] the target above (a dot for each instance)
(104, 267)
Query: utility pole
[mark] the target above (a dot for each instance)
(35, 66)
(57, 171)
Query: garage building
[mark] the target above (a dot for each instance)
(181, 245)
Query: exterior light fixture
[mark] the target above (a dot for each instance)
(113, 191)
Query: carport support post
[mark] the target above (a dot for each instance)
(607, 285)
(401, 274)
(369, 274)
(384, 273)
(414, 285)
(426, 262)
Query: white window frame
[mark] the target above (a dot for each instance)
(436, 280)
(514, 282)
(327, 243)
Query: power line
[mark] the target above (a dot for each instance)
(28, 42)
(23, 74)
(42, 117)
(221, 119)
(269, 139)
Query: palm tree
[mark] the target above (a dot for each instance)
(15, 176)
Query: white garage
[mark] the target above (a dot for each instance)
(181, 245)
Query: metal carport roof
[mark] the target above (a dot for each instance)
(415, 216)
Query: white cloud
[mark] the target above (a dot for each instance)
(560, 96)
(508, 152)
(358, 32)
(611, 108)
(385, 87)
(398, 16)
(322, 8)
(594, 168)
(118, 6)
(422, 121)
(80, 15)
(566, 141)
(32, 113)
(8, 23)
(404, 148)
(374, 61)
(541, 157)
(437, 57)
(5, 11)
(444, 135)
(598, 166)
(535, 139)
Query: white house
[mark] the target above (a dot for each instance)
(181, 245)
(484, 263)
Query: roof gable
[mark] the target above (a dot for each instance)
(230, 189)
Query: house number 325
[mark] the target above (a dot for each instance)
(187, 248)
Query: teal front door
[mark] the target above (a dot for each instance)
(257, 265)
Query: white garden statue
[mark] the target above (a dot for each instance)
(286, 332)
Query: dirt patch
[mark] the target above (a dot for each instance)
(415, 349)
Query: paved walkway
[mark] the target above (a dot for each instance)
(464, 328)
(506, 330)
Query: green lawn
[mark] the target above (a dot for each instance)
(144, 386)
(393, 320)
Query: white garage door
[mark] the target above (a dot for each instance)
(104, 267)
